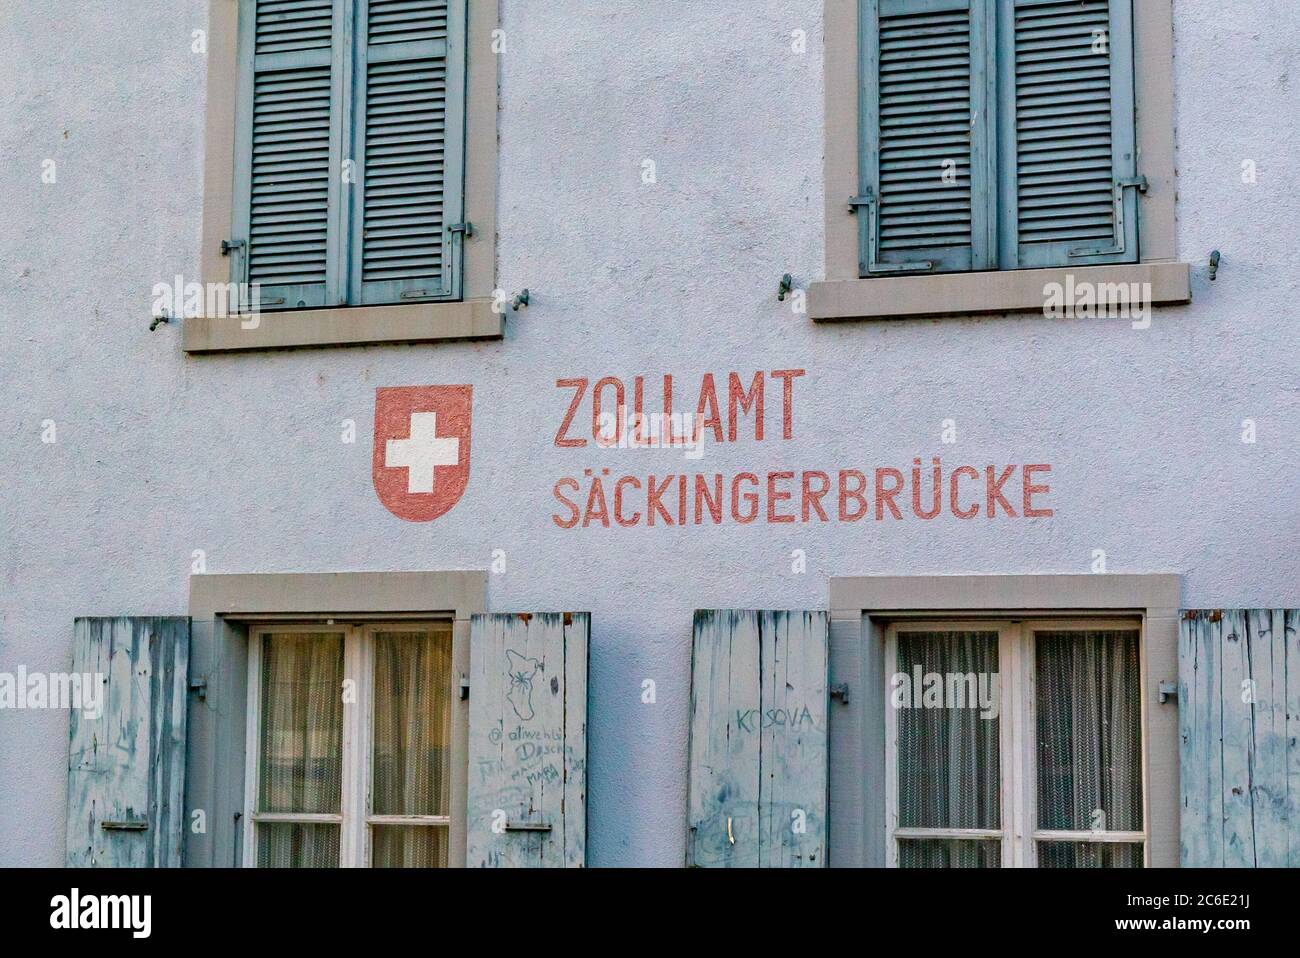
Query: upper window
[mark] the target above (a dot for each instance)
(1014, 743)
(996, 135)
(349, 747)
(350, 151)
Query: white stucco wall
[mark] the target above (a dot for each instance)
(159, 454)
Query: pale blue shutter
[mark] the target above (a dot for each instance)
(288, 138)
(408, 142)
(1067, 133)
(1239, 715)
(757, 776)
(126, 751)
(927, 156)
(527, 801)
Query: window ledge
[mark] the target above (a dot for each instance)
(1009, 291)
(345, 326)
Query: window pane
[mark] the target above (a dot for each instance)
(407, 846)
(412, 728)
(1089, 855)
(949, 853)
(945, 693)
(1089, 731)
(302, 723)
(291, 845)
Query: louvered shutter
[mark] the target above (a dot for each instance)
(1067, 133)
(408, 141)
(289, 132)
(927, 163)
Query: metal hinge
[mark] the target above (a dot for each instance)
(201, 687)
(1138, 183)
(871, 229)
(464, 688)
(129, 825)
(466, 228)
(1167, 691)
(841, 692)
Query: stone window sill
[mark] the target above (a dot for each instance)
(345, 326)
(964, 294)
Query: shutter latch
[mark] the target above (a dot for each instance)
(466, 228)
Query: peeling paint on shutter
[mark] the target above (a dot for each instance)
(1068, 132)
(758, 745)
(126, 765)
(289, 129)
(409, 143)
(1239, 717)
(927, 153)
(528, 740)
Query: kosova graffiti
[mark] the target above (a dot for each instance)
(1014, 491)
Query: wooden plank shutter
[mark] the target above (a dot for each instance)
(528, 740)
(1239, 717)
(408, 136)
(1068, 133)
(757, 777)
(126, 766)
(928, 150)
(288, 164)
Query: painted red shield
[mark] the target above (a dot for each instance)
(421, 458)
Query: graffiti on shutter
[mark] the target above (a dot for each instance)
(757, 777)
(528, 740)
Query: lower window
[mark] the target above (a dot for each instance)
(349, 746)
(1014, 744)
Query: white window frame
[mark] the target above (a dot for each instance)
(354, 818)
(1019, 834)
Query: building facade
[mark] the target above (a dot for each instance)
(406, 403)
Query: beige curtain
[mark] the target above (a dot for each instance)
(411, 767)
(301, 758)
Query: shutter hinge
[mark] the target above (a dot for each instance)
(841, 692)
(1120, 246)
(467, 228)
(528, 827)
(229, 246)
(1167, 691)
(464, 688)
(200, 686)
(870, 243)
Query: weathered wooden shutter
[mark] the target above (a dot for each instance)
(408, 137)
(288, 163)
(1239, 716)
(528, 740)
(928, 150)
(757, 777)
(1068, 133)
(126, 765)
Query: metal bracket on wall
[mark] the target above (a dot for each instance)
(521, 301)
(786, 288)
(1167, 691)
(1215, 259)
(840, 691)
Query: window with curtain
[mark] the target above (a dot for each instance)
(1014, 744)
(349, 155)
(350, 746)
(997, 134)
